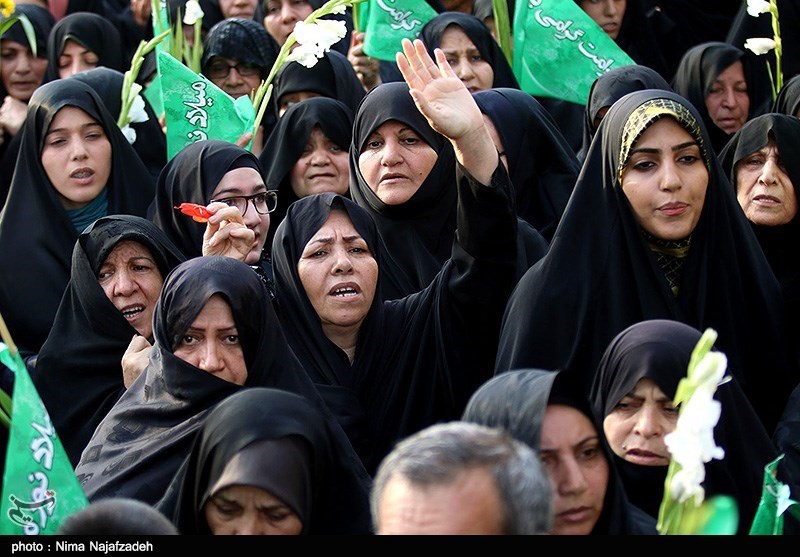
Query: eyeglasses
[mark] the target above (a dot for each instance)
(264, 202)
(220, 70)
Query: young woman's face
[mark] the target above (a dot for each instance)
(280, 17)
(339, 274)
(21, 71)
(465, 59)
(607, 14)
(247, 510)
(395, 162)
(764, 189)
(76, 157)
(76, 58)
(323, 166)
(636, 426)
(246, 181)
(212, 343)
(665, 180)
(727, 101)
(571, 451)
(132, 281)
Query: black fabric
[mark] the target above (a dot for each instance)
(139, 446)
(480, 36)
(84, 349)
(516, 402)
(36, 234)
(93, 31)
(780, 243)
(212, 14)
(660, 349)
(541, 163)
(699, 68)
(612, 86)
(151, 143)
(788, 100)
(288, 140)
(417, 359)
(417, 235)
(600, 276)
(639, 36)
(337, 486)
(332, 76)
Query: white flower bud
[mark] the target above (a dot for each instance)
(137, 112)
(192, 12)
(757, 7)
(759, 45)
(129, 133)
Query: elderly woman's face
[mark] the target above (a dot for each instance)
(471, 68)
(238, 8)
(247, 510)
(323, 166)
(132, 281)
(395, 161)
(665, 180)
(764, 189)
(235, 78)
(727, 101)
(21, 71)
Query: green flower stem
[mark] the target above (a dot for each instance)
(130, 76)
(23, 20)
(503, 27)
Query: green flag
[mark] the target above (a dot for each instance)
(196, 109)
(386, 22)
(559, 50)
(775, 501)
(39, 485)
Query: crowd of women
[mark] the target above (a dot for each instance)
(403, 244)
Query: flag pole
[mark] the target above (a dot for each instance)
(6, 335)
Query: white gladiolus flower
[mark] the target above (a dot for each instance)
(137, 112)
(322, 33)
(306, 55)
(757, 7)
(129, 133)
(193, 12)
(759, 45)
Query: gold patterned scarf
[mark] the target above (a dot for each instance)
(670, 255)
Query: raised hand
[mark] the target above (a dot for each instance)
(226, 233)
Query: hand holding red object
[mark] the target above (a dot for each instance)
(198, 212)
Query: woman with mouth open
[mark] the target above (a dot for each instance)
(632, 397)
(390, 368)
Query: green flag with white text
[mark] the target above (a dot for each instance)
(559, 50)
(40, 489)
(386, 22)
(196, 109)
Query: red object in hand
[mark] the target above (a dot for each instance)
(197, 212)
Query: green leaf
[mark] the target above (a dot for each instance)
(503, 27)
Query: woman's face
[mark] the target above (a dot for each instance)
(395, 162)
(636, 426)
(764, 189)
(572, 453)
(246, 181)
(323, 166)
(76, 157)
(21, 71)
(212, 343)
(607, 14)
(76, 58)
(665, 180)
(235, 78)
(727, 101)
(280, 17)
(465, 59)
(238, 8)
(247, 510)
(295, 97)
(132, 281)
(339, 274)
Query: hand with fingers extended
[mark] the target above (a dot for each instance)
(226, 233)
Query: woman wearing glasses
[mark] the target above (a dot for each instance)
(229, 181)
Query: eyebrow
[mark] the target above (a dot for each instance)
(83, 126)
(329, 240)
(674, 149)
(583, 441)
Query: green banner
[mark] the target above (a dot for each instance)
(39, 485)
(775, 501)
(559, 50)
(387, 22)
(197, 110)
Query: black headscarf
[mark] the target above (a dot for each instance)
(660, 350)
(600, 275)
(788, 100)
(332, 76)
(288, 140)
(700, 66)
(480, 36)
(780, 243)
(150, 144)
(319, 477)
(34, 226)
(516, 402)
(612, 86)
(418, 359)
(139, 446)
(242, 40)
(78, 371)
(541, 163)
(418, 234)
(91, 30)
